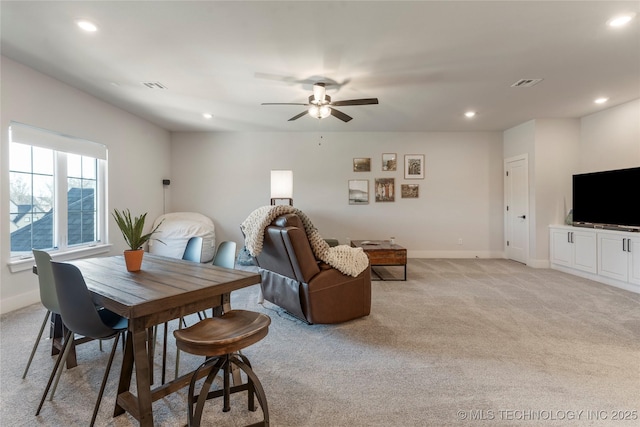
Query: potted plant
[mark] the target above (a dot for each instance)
(132, 231)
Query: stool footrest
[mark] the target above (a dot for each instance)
(223, 363)
(217, 393)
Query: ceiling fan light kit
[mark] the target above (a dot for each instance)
(319, 102)
(320, 105)
(319, 112)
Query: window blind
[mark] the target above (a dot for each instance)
(31, 135)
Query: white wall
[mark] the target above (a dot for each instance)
(610, 139)
(226, 176)
(138, 156)
(557, 141)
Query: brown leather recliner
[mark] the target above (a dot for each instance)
(307, 288)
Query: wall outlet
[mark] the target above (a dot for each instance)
(459, 241)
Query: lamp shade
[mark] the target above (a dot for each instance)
(281, 184)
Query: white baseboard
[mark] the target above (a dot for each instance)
(454, 254)
(538, 263)
(19, 301)
(600, 279)
(533, 263)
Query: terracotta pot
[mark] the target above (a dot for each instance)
(133, 259)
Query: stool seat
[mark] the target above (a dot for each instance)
(215, 336)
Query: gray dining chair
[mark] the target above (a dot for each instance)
(81, 316)
(49, 299)
(193, 250)
(193, 253)
(48, 296)
(225, 255)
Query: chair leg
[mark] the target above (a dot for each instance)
(66, 352)
(226, 395)
(35, 345)
(104, 380)
(151, 346)
(164, 352)
(180, 323)
(61, 356)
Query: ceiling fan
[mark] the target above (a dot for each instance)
(320, 105)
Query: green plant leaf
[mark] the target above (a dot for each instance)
(132, 229)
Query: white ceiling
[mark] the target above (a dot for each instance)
(427, 62)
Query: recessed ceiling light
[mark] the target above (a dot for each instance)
(207, 115)
(621, 20)
(470, 114)
(87, 26)
(601, 100)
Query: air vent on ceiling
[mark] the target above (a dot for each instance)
(526, 82)
(154, 85)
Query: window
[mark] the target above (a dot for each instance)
(57, 197)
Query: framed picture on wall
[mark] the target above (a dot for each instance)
(362, 164)
(409, 191)
(389, 161)
(358, 191)
(414, 166)
(385, 189)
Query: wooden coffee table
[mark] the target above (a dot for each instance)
(383, 253)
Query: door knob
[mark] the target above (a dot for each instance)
(522, 216)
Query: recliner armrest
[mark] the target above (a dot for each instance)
(324, 266)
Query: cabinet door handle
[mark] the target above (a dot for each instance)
(572, 237)
(628, 245)
(624, 245)
(568, 237)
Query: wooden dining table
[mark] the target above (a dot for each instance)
(164, 289)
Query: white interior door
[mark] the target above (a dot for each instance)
(517, 208)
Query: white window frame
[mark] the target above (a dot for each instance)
(61, 144)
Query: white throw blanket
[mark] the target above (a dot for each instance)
(347, 260)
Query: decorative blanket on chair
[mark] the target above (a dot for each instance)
(347, 260)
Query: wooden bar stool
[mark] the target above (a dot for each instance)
(220, 339)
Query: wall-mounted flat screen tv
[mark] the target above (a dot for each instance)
(607, 198)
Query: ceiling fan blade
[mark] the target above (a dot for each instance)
(296, 117)
(366, 101)
(276, 77)
(340, 115)
(283, 103)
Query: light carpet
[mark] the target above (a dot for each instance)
(462, 342)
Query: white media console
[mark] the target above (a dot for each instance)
(606, 256)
